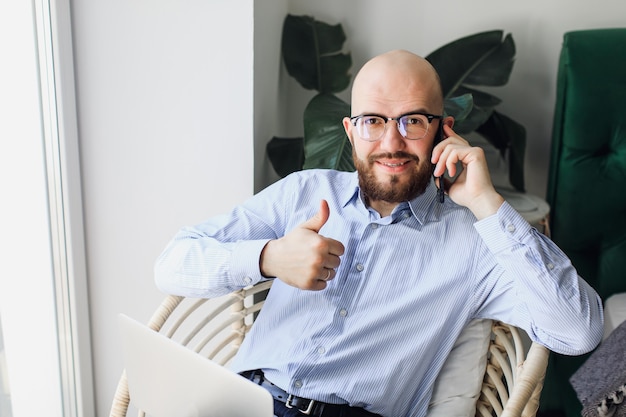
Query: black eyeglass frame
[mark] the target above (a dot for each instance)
(430, 117)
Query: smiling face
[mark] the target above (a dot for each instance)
(394, 169)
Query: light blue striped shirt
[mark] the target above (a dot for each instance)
(378, 335)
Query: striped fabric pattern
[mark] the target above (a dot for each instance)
(378, 335)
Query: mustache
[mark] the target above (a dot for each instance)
(394, 155)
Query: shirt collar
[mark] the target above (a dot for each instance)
(421, 206)
(351, 192)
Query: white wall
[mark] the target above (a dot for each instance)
(164, 91)
(163, 86)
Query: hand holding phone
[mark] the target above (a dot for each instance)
(470, 183)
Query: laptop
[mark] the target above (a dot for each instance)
(167, 379)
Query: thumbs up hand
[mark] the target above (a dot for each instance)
(303, 258)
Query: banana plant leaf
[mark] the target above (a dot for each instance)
(482, 59)
(325, 142)
(312, 53)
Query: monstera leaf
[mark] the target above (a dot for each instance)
(484, 59)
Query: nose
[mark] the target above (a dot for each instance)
(392, 140)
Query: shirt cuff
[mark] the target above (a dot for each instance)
(504, 229)
(245, 269)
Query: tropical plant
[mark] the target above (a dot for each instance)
(312, 53)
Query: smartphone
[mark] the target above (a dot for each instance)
(441, 193)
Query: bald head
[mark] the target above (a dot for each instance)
(396, 79)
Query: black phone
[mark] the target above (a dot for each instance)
(441, 193)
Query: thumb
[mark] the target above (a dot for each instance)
(316, 222)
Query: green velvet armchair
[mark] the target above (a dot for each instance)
(587, 178)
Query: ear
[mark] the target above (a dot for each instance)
(449, 121)
(347, 126)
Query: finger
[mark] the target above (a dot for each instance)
(448, 131)
(451, 161)
(316, 222)
(327, 274)
(331, 261)
(335, 247)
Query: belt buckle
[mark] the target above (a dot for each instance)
(306, 411)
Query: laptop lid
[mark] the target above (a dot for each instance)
(166, 379)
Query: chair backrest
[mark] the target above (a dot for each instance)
(587, 175)
(588, 160)
(215, 328)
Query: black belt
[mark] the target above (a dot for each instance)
(304, 405)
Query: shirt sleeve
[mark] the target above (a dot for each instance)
(222, 254)
(538, 286)
(204, 267)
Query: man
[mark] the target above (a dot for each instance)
(375, 276)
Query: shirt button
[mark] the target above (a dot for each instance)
(550, 266)
(343, 312)
(298, 384)
(374, 226)
(360, 267)
(321, 350)
(247, 280)
(406, 214)
(510, 228)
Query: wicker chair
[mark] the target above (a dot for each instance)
(511, 386)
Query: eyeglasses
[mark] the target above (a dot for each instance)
(412, 126)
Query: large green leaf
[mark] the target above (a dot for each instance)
(285, 154)
(312, 52)
(482, 59)
(325, 142)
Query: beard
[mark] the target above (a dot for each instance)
(393, 189)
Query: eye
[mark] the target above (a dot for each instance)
(371, 120)
(415, 120)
